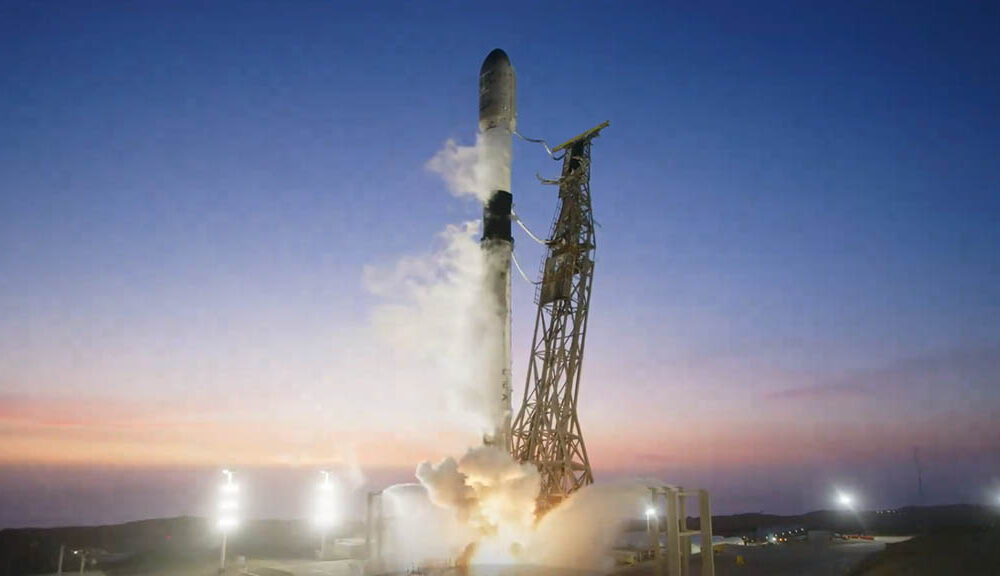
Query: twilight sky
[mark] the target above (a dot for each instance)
(798, 275)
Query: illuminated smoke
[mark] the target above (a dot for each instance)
(492, 499)
(581, 531)
(417, 530)
(432, 316)
(492, 496)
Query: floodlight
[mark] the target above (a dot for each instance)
(845, 499)
(228, 508)
(325, 515)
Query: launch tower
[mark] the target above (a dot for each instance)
(546, 431)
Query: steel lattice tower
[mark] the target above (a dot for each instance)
(547, 431)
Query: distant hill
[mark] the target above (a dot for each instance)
(907, 520)
(899, 521)
(34, 550)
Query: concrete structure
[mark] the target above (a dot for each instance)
(547, 431)
(497, 122)
(374, 533)
(676, 556)
(349, 548)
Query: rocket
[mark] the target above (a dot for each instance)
(497, 122)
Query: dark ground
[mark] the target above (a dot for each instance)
(185, 544)
(943, 552)
(838, 558)
(147, 546)
(967, 552)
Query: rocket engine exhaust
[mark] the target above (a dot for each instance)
(497, 122)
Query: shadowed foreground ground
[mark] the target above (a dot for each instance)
(794, 559)
(967, 552)
(958, 551)
(960, 540)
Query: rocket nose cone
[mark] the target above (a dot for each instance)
(495, 59)
(497, 92)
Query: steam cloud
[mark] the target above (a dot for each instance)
(432, 315)
(477, 170)
(491, 499)
(491, 495)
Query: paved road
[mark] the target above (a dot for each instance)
(793, 559)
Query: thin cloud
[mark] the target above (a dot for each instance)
(973, 371)
(823, 392)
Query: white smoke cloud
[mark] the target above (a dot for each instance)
(477, 170)
(491, 495)
(415, 530)
(434, 320)
(457, 165)
(582, 530)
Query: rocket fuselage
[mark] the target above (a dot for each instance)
(497, 93)
(497, 122)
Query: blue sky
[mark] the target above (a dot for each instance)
(791, 196)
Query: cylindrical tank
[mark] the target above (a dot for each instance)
(497, 92)
(497, 113)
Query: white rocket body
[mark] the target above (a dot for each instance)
(497, 121)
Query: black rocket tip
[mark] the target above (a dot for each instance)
(495, 59)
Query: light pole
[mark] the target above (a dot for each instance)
(228, 512)
(653, 531)
(83, 558)
(324, 511)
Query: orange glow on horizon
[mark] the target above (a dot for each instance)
(133, 433)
